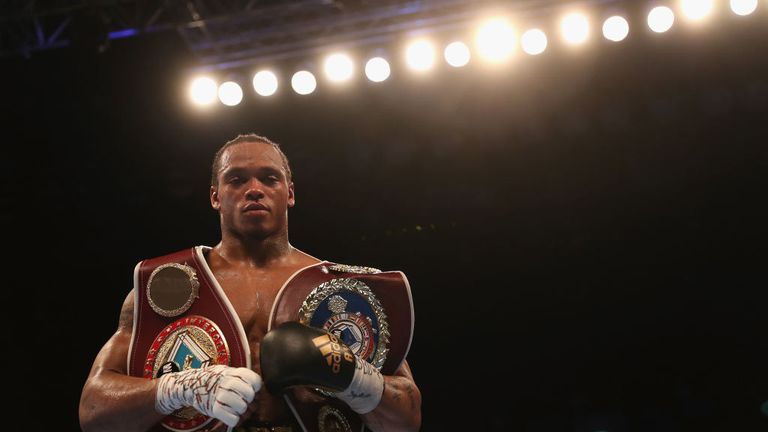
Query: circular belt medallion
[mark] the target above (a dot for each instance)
(348, 309)
(188, 343)
(172, 288)
(329, 419)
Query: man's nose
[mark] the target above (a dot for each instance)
(255, 189)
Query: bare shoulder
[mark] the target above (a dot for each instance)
(404, 370)
(303, 259)
(126, 314)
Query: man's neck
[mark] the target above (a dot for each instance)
(256, 252)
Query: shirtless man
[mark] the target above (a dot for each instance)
(252, 190)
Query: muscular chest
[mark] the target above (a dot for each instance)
(252, 295)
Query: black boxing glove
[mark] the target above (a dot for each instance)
(294, 354)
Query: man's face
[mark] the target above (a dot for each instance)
(253, 194)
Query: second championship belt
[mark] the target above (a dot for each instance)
(182, 319)
(370, 311)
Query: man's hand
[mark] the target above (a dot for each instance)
(364, 392)
(295, 354)
(219, 391)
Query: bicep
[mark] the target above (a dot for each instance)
(113, 355)
(400, 385)
(111, 400)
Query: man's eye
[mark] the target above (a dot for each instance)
(235, 180)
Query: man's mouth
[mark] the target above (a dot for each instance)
(254, 207)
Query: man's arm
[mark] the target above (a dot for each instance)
(400, 405)
(295, 354)
(111, 400)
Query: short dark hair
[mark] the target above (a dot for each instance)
(243, 138)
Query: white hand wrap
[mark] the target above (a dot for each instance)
(218, 391)
(364, 392)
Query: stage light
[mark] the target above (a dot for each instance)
(660, 19)
(534, 41)
(495, 40)
(203, 91)
(615, 28)
(696, 10)
(457, 54)
(377, 69)
(743, 7)
(265, 83)
(230, 93)
(339, 67)
(303, 82)
(575, 28)
(420, 55)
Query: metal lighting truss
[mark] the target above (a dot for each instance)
(233, 33)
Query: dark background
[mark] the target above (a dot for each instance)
(584, 231)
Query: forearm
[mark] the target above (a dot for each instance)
(115, 402)
(399, 408)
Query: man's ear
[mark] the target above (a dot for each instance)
(214, 194)
(291, 196)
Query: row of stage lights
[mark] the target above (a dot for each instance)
(495, 41)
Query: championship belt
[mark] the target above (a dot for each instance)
(182, 319)
(369, 310)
